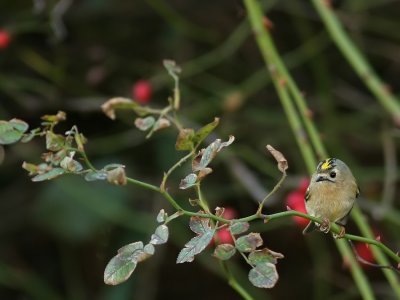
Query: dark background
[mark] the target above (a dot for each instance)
(56, 237)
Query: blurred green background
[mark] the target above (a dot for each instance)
(56, 237)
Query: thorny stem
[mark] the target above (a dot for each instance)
(334, 228)
(178, 164)
(257, 215)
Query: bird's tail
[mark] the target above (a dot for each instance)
(310, 227)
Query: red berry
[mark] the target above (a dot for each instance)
(295, 200)
(303, 185)
(142, 91)
(5, 39)
(224, 236)
(229, 213)
(364, 251)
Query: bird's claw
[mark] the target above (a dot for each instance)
(341, 233)
(325, 226)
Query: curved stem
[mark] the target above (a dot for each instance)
(276, 187)
(357, 60)
(178, 164)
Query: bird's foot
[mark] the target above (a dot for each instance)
(341, 233)
(325, 226)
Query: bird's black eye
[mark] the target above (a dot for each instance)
(332, 174)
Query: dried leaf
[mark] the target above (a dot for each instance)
(219, 211)
(224, 251)
(111, 105)
(117, 176)
(161, 124)
(203, 173)
(282, 162)
(71, 165)
(173, 69)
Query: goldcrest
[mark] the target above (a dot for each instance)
(330, 195)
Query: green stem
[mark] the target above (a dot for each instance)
(356, 59)
(280, 78)
(203, 203)
(177, 165)
(234, 283)
(273, 191)
(381, 259)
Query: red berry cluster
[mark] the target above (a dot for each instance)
(295, 201)
(5, 39)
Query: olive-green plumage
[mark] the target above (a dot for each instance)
(331, 193)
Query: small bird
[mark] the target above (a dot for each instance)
(331, 195)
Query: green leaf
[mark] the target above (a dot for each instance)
(162, 216)
(149, 249)
(224, 251)
(145, 123)
(131, 250)
(118, 270)
(197, 244)
(264, 275)
(203, 132)
(19, 125)
(263, 256)
(29, 136)
(249, 242)
(60, 116)
(184, 140)
(12, 131)
(160, 236)
(96, 175)
(54, 142)
(239, 227)
(53, 173)
(188, 181)
(208, 154)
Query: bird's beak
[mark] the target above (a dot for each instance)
(321, 178)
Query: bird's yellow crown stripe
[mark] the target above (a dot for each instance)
(327, 164)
